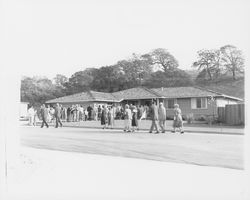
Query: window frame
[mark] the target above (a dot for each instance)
(175, 101)
(194, 102)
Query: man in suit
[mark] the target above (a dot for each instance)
(44, 115)
(154, 117)
(58, 115)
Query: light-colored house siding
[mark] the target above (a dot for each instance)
(185, 106)
(222, 102)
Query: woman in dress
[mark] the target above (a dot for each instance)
(134, 119)
(111, 114)
(177, 119)
(127, 119)
(104, 116)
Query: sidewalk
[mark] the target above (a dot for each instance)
(144, 125)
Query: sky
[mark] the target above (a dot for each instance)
(49, 37)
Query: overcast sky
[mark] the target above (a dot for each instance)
(47, 37)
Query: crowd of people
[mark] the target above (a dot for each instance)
(107, 114)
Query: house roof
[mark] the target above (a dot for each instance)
(84, 97)
(188, 92)
(136, 93)
(140, 93)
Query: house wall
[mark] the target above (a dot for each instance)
(185, 106)
(222, 102)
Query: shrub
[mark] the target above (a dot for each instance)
(190, 118)
(201, 118)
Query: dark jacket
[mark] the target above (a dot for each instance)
(57, 111)
(154, 112)
(44, 113)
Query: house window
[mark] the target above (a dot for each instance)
(170, 103)
(199, 103)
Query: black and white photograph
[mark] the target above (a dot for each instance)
(124, 100)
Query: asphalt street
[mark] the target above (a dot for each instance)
(198, 149)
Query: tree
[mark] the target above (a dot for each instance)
(79, 82)
(60, 80)
(134, 70)
(173, 78)
(163, 59)
(37, 90)
(232, 59)
(107, 79)
(208, 62)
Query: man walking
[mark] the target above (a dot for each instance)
(44, 115)
(154, 117)
(162, 117)
(58, 115)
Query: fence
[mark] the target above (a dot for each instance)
(232, 114)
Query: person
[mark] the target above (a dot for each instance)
(58, 115)
(89, 109)
(146, 109)
(95, 112)
(104, 116)
(65, 114)
(35, 118)
(51, 114)
(111, 114)
(68, 114)
(74, 113)
(154, 118)
(99, 112)
(49, 117)
(44, 115)
(77, 112)
(134, 119)
(31, 114)
(140, 111)
(81, 113)
(127, 118)
(177, 123)
(162, 117)
(85, 115)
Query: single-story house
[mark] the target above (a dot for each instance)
(195, 100)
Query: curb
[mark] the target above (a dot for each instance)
(168, 130)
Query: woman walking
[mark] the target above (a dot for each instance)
(127, 119)
(177, 119)
(134, 119)
(111, 117)
(104, 116)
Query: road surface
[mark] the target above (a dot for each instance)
(199, 149)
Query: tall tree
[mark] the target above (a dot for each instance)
(162, 58)
(209, 62)
(134, 70)
(232, 59)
